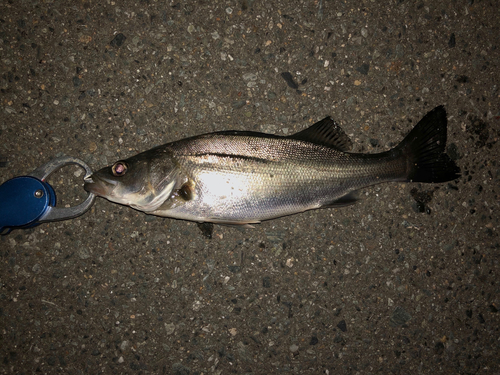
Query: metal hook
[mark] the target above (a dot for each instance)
(54, 213)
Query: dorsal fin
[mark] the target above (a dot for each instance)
(327, 133)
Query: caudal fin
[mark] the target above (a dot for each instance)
(424, 148)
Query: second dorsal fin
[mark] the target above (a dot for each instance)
(327, 133)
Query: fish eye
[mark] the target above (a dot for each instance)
(119, 168)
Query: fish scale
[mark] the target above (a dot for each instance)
(233, 177)
(297, 176)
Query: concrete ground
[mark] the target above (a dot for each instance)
(378, 287)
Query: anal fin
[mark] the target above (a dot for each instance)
(346, 200)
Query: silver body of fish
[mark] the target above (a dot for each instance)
(243, 178)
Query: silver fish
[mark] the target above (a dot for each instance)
(234, 177)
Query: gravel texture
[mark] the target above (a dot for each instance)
(405, 282)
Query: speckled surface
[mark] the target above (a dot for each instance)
(378, 287)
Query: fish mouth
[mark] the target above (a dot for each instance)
(99, 186)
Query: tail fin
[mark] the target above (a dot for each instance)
(424, 148)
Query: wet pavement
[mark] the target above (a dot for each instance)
(404, 282)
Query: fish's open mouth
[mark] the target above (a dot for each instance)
(98, 187)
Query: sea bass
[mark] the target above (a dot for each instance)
(239, 177)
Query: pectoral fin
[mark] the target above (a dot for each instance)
(183, 194)
(234, 224)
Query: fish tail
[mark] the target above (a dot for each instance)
(424, 150)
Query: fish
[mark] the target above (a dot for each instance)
(244, 178)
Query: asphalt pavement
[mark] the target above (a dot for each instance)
(404, 282)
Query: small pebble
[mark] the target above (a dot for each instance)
(250, 76)
(363, 69)
(342, 326)
(83, 253)
(170, 328)
(118, 40)
(452, 42)
(287, 76)
(399, 317)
